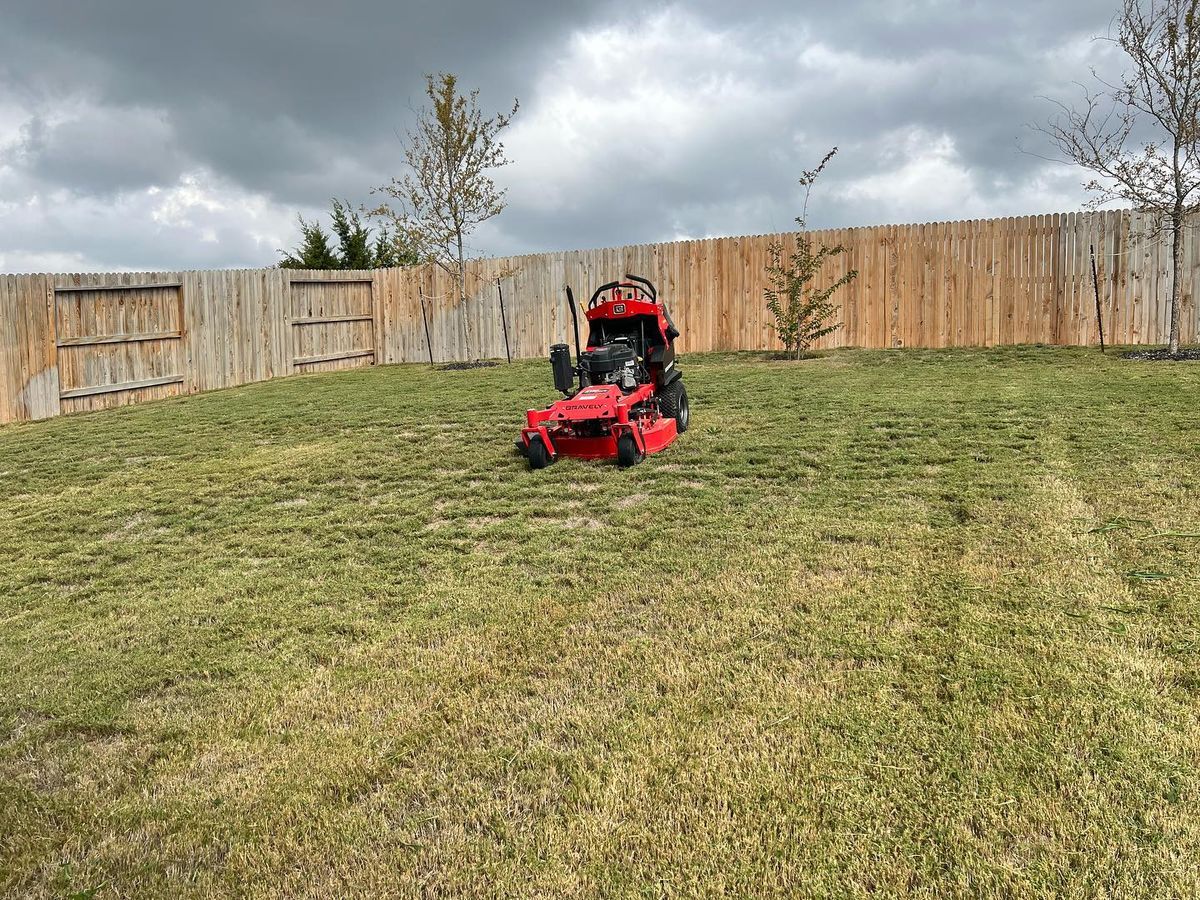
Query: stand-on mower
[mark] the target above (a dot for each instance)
(630, 400)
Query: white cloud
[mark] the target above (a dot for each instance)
(86, 186)
(691, 119)
(200, 221)
(631, 102)
(671, 125)
(918, 170)
(922, 170)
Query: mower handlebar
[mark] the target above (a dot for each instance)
(600, 290)
(649, 286)
(616, 284)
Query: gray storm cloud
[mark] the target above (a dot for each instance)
(161, 135)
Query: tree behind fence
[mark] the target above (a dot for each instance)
(79, 342)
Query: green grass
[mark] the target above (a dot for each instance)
(920, 623)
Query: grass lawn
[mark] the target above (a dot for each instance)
(912, 623)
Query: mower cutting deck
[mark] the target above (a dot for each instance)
(630, 400)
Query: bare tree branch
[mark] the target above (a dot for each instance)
(1159, 174)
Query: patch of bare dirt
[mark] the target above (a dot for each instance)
(483, 521)
(631, 501)
(581, 522)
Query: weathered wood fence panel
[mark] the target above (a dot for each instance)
(80, 342)
(332, 319)
(119, 341)
(28, 355)
(74, 343)
(950, 284)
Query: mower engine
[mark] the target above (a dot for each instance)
(627, 377)
(614, 363)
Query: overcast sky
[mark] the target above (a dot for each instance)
(168, 135)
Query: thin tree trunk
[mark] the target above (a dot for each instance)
(1176, 276)
(462, 297)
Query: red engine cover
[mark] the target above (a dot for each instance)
(600, 401)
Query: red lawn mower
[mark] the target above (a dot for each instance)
(630, 400)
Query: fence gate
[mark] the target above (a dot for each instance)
(118, 344)
(332, 324)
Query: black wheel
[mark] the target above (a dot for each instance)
(628, 453)
(538, 455)
(673, 402)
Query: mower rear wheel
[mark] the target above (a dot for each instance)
(628, 453)
(537, 454)
(673, 403)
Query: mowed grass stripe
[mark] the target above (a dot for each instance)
(860, 630)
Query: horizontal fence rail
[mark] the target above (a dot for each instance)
(71, 343)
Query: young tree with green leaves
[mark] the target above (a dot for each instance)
(448, 190)
(803, 312)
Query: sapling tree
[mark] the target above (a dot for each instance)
(448, 190)
(802, 311)
(1138, 135)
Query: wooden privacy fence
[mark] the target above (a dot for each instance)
(70, 343)
(79, 342)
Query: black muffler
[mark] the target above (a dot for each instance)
(564, 372)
